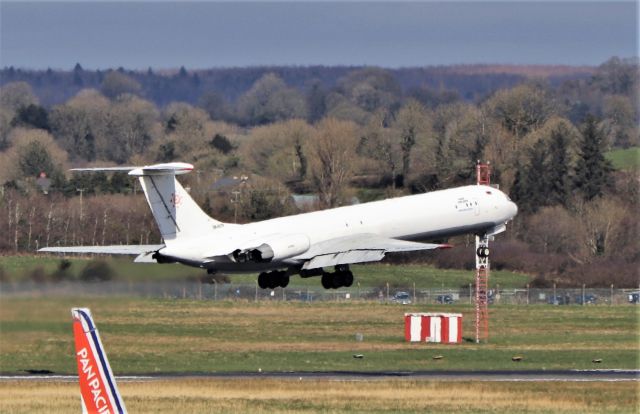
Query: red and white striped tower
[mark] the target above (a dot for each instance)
(483, 173)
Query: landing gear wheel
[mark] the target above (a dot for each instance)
(283, 279)
(273, 281)
(327, 280)
(347, 279)
(263, 280)
(483, 252)
(337, 281)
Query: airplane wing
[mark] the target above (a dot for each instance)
(131, 249)
(359, 248)
(144, 252)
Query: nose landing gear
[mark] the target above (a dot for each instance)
(483, 251)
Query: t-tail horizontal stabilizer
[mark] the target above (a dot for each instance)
(97, 384)
(170, 168)
(176, 213)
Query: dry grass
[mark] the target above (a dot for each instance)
(314, 396)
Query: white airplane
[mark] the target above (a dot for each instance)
(307, 243)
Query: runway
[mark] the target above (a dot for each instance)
(486, 376)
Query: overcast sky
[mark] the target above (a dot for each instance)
(390, 34)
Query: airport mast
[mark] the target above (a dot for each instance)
(483, 173)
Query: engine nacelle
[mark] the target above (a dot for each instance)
(278, 248)
(162, 259)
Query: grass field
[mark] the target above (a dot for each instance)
(625, 159)
(147, 336)
(19, 267)
(164, 336)
(313, 396)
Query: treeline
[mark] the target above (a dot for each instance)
(361, 134)
(471, 82)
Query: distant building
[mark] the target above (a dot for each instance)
(312, 201)
(306, 201)
(229, 182)
(43, 182)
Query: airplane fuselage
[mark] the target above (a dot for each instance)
(435, 215)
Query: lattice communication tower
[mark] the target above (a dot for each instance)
(483, 173)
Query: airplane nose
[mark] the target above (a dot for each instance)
(513, 208)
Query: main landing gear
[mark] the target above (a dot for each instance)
(274, 279)
(342, 277)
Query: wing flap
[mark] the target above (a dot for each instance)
(131, 249)
(352, 256)
(359, 248)
(367, 242)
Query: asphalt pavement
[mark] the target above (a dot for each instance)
(514, 376)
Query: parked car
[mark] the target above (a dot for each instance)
(559, 300)
(634, 297)
(305, 297)
(588, 299)
(491, 296)
(445, 299)
(402, 298)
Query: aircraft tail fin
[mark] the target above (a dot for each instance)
(175, 212)
(97, 384)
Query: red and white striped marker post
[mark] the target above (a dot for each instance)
(433, 327)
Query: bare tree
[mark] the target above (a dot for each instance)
(277, 150)
(332, 154)
(620, 122)
(412, 127)
(371, 88)
(521, 109)
(341, 107)
(116, 84)
(16, 95)
(556, 230)
(80, 125)
(378, 143)
(132, 127)
(602, 219)
(34, 152)
(270, 100)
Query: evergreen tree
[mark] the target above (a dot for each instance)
(35, 158)
(77, 75)
(221, 143)
(316, 102)
(32, 115)
(536, 180)
(558, 168)
(593, 170)
(519, 191)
